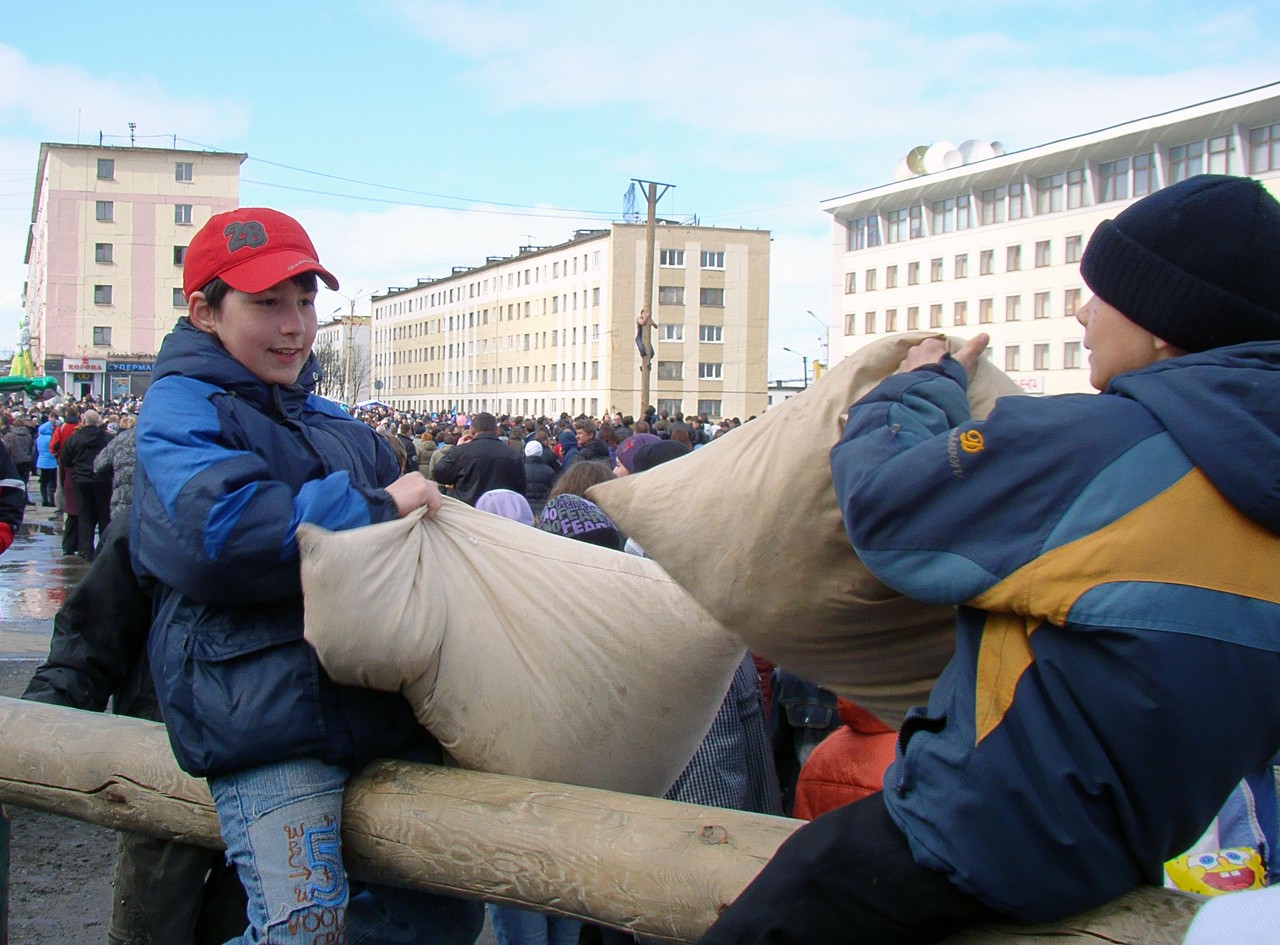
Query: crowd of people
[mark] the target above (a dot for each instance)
(1109, 557)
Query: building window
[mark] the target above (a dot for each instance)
(869, 280)
(1071, 354)
(986, 262)
(101, 336)
(711, 297)
(670, 404)
(1264, 149)
(1075, 188)
(179, 300)
(850, 283)
(711, 334)
(182, 214)
(1044, 253)
(962, 266)
(182, 171)
(1017, 201)
(935, 270)
(1013, 258)
(1074, 248)
(890, 277)
(913, 317)
(670, 295)
(1040, 357)
(896, 226)
(671, 370)
(179, 255)
(595, 296)
(850, 323)
(891, 319)
(106, 169)
(104, 211)
(712, 260)
(869, 323)
(1144, 174)
(960, 314)
(667, 331)
(1042, 306)
(710, 371)
(985, 307)
(917, 221)
(1186, 160)
(935, 315)
(1113, 181)
(994, 205)
(1219, 159)
(864, 232)
(1050, 193)
(102, 295)
(1012, 308)
(1013, 358)
(913, 273)
(671, 257)
(595, 370)
(102, 252)
(710, 408)
(1071, 302)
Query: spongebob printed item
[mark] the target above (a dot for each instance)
(1220, 871)
(1239, 850)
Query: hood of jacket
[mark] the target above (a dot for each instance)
(1222, 407)
(189, 352)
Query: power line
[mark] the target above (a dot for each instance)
(403, 190)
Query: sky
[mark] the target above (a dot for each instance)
(410, 136)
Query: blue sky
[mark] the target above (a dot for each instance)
(454, 130)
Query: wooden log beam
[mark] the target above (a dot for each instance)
(656, 867)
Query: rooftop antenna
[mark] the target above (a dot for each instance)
(133, 126)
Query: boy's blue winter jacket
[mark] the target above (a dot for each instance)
(1114, 559)
(228, 468)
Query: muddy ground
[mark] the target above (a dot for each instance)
(59, 869)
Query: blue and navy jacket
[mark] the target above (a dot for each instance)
(1115, 561)
(228, 468)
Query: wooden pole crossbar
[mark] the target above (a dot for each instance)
(658, 868)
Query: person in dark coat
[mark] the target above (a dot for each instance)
(539, 477)
(93, 489)
(13, 500)
(481, 462)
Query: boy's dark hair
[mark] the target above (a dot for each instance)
(484, 423)
(215, 290)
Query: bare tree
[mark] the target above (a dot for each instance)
(330, 358)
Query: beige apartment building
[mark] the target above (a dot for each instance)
(109, 230)
(994, 245)
(553, 328)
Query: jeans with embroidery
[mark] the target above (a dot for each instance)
(282, 824)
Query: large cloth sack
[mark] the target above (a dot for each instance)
(750, 526)
(611, 680)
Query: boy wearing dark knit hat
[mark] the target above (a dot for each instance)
(1111, 556)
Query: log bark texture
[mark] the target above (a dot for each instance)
(659, 868)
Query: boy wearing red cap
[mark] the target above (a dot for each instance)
(234, 453)
(1113, 561)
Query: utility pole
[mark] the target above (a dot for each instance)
(644, 335)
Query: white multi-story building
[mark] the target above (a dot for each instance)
(109, 232)
(553, 329)
(995, 245)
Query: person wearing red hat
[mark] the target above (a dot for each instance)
(235, 451)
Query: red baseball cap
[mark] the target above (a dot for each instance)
(250, 249)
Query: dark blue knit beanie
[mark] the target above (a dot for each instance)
(1197, 264)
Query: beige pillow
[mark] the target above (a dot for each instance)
(612, 682)
(750, 526)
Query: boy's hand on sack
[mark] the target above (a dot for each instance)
(413, 491)
(931, 350)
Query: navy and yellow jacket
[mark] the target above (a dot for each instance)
(1115, 560)
(228, 468)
